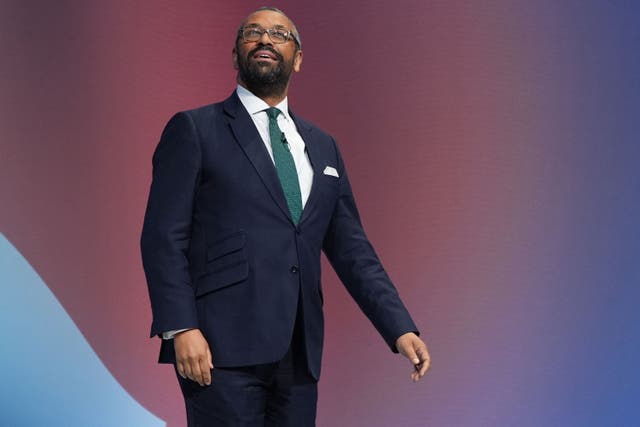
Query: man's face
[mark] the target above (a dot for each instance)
(265, 67)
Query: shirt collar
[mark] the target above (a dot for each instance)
(255, 105)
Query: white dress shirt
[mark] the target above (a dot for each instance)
(256, 108)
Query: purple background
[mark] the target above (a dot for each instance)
(493, 148)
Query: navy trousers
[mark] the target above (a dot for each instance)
(279, 394)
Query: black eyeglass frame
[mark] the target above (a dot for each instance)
(289, 35)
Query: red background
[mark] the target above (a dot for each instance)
(485, 144)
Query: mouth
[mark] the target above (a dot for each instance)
(265, 55)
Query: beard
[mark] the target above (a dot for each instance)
(264, 79)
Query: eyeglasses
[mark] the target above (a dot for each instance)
(276, 35)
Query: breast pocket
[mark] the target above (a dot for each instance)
(226, 264)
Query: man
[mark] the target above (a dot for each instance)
(244, 197)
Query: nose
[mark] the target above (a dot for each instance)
(265, 38)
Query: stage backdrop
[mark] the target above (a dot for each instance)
(494, 151)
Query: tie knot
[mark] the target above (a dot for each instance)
(273, 113)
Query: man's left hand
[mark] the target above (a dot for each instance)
(414, 349)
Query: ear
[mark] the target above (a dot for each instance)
(234, 58)
(297, 60)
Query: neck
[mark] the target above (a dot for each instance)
(266, 94)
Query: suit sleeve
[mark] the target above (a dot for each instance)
(166, 232)
(353, 258)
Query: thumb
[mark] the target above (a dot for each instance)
(410, 354)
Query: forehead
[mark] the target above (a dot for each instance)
(267, 19)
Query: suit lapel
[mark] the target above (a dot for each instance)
(307, 134)
(251, 143)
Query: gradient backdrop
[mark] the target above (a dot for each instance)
(493, 147)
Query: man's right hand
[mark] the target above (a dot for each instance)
(193, 357)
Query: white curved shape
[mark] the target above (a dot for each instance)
(50, 375)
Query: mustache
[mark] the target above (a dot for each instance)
(265, 47)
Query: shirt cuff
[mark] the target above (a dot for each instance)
(170, 334)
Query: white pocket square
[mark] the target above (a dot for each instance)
(331, 171)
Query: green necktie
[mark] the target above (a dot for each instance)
(285, 166)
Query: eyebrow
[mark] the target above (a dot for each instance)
(254, 25)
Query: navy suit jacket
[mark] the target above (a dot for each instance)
(222, 254)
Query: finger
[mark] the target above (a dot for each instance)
(210, 359)
(418, 372)
(206, 371)
(180, 368)
(415, 377)
(425, 361)
(186, 368)
(196, 372)
(412, 356)
(424, 367)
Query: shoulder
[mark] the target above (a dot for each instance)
(202, 118)
(204, 113)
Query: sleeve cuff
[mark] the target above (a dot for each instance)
(170, 334)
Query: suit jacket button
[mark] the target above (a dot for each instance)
(294, 269)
